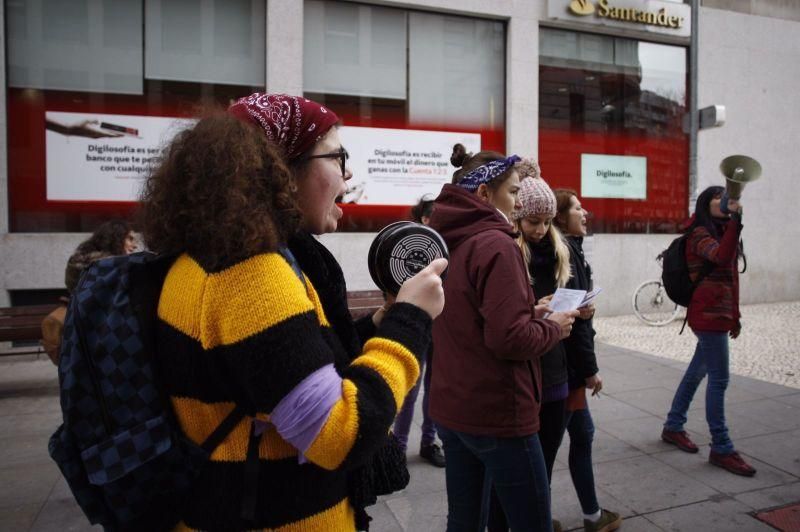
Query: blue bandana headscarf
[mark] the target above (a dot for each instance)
(486, 173)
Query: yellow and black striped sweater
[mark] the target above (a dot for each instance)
(249, 334)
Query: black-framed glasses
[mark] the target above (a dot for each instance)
(340, 154)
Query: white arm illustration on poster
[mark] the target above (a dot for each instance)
(93, 157)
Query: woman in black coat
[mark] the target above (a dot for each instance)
(582, 366)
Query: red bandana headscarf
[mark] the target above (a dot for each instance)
(293, 123)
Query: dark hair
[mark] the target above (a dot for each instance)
(467, 162)
(108, 238)
(702, 210)
(563, 203)
(424, 208)
(222, 193)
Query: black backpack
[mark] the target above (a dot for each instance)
(120, 448)
(675, 271)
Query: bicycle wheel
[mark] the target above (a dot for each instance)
(652, 305)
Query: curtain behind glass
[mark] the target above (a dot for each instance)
(80, 45)
(354, 50)
(456, 71)
(206, 41)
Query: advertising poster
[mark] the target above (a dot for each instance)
(96, 157)
(613, 176)
(399, 166)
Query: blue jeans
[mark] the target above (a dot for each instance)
(710, 358)
(515, 466)
(402, 423)
(581, 435)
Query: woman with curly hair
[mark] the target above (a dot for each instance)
(253, 316)
(114, 237)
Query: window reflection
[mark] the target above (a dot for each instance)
(607, 95)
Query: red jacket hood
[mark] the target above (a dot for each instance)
(459, 214)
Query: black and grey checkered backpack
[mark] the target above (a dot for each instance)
(120, 449)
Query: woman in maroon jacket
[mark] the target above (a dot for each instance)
(713, 315)
(486, 384)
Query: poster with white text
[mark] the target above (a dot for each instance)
(613, 176)
(399, 166)
(98, 157)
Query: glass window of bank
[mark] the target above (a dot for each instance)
(610, 127)
(383, 67)
(108, 73)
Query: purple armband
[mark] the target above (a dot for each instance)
(300, 415)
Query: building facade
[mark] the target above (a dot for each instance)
(597, 91)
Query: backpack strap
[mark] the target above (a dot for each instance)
(287, 254)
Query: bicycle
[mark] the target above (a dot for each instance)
(652, 305)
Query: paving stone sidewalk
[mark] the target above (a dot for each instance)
(653, 485)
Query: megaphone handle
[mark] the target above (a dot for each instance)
(723, 204)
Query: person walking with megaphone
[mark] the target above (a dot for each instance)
(713, 316)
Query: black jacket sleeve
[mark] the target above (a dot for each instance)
(581, 357)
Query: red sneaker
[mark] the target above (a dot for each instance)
(681, 439)
(733, 463)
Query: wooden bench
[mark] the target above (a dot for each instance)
(24, 324)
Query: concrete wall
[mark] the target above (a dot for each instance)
(751, 64)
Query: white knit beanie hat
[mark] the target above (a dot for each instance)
(536, 197)
(535, 194)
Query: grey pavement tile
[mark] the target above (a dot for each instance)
(30, 425)
(638, 523)
(720, 515)
(27, 484)
(418, 511)
(780, 450)
(614, 381)
(697, 467)
(21, 517)
(766, 498)
(767, 389)
(383, 518)
(39, 402)
(606, 408)
(655, 400)
(643, 433)
(24, 450)
(772, 413)
(424, 476)
(630, 363)
(28, 374)
(646, 484)
(61, 489)
(792, 399)
(62, 515)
